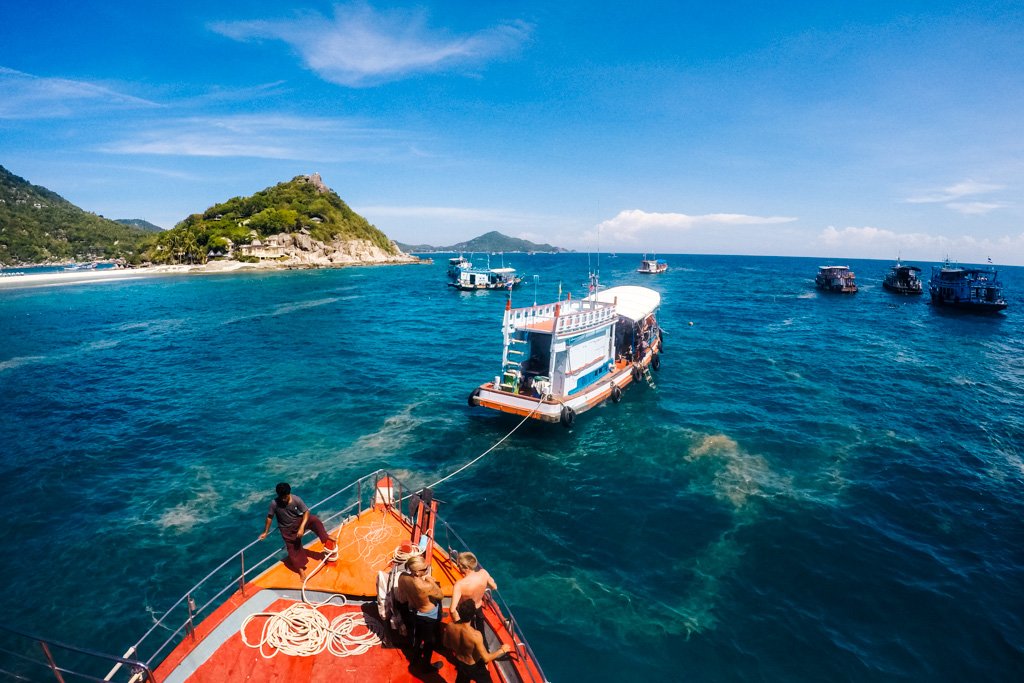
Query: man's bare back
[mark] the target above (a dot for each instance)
(473, 585)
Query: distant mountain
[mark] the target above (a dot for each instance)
(491, 241)
(139, 223)
(37, 225)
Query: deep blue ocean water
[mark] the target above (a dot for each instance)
(821, 488)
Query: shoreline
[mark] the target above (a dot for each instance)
(214, 267)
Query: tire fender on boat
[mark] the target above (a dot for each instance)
(616, 394)
(568, 416)
(661, 340)
(656, 362)
(472, 397)
(636, 373)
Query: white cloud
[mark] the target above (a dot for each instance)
(630, 225)
(265, 137)
(871, 242)
(35, 97)
(360, 46)
(975, 208)
(949, 196)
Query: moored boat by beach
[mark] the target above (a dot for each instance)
(903, 279)
(836, 279)
(337, 625)
(651, 266)
(564, 358)
(967, 289)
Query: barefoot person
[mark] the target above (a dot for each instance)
(467, 645)
(471, 587)
(292, 520)
(423, 595)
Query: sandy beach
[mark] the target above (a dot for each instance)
(74, 277)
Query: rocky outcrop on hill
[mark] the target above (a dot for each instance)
(301, 250)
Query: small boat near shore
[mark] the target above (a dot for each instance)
(967, 289)
(564, 358)
(836, 279)
(337, 622)
(903, 279)
(462, 275)
(652, 266)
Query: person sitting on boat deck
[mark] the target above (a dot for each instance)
(423, 595)
(472, 587)
(467, 645)
(292, 519)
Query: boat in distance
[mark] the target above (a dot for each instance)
(967, 289)
(230, 626)
(903, 279)
(651, 266)
(836, 279)
(564, 358)
(462, 275)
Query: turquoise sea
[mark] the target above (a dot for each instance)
(821, 488)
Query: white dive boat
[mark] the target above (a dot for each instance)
(651, 266)
(564, 358)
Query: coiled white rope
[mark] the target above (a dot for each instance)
(302, 630)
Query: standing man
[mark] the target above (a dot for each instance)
(292, 519)
(420, 592)
(467, 644)
(472, 586)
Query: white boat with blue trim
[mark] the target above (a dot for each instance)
(564, 358)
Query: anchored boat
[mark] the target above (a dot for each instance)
(564, 358)
(462, 275)
(903, 279)
(338, 619)
(967, 289)
(836, 279)
(651, 266)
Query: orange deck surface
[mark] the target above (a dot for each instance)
(365, 547)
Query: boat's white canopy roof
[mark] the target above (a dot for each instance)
(635, 303)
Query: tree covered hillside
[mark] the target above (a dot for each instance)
(301, 204)
(39, 226)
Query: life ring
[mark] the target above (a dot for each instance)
(616, 394)
(472, 397)
(637, 374)
(656, 362)
(568, 416)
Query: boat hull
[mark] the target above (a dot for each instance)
(898, 289)
(551, 409)
(982, 307)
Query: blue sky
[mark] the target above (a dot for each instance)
(835, 130)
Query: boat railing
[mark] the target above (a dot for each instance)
(30, 658)
(568, 316)
(230, 575)
(523, 648)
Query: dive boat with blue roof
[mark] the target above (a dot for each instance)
(333, 627)
(651, 266)
(967, 289)
(565, 358)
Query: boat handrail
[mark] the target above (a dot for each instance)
(138, 671)
(510, 621)
(238, 580)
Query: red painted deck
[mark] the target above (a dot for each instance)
(366, 545)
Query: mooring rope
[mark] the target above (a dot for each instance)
(497, 443)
